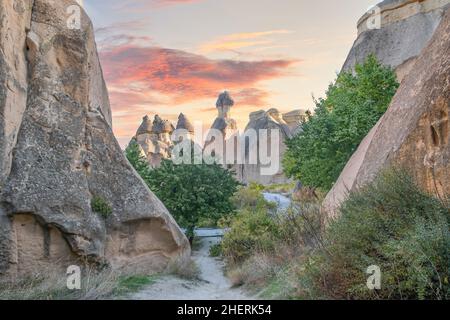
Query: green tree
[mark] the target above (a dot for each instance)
(353, 105)
(138, 160)
(193, 192)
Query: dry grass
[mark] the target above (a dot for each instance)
(95, 284)
(185, 269)
(52, 285)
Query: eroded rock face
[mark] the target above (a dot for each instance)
(406, 28)
(268, 120)
(154, 137)
(58, 152)
(413, 133)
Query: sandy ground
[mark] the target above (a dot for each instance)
(213, 285)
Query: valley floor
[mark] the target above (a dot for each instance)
(212, 283)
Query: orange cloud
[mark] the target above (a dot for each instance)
(144, 80)
(181, 76)
(241, 40)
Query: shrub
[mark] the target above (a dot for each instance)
(393, 224)
(250, 230)
(215, 250)
(101, 206)
(353, 105)
(193, 192)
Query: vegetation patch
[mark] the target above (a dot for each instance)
(133, 283)
(197, 195)
(101, 206)
(390, 223)
(352, 106)
(393, 224)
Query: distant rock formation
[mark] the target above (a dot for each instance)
(294, 120)
(406, 28)
(270, 120)
(414, 133)
(224, 124)
(154, 137)
(59, 155)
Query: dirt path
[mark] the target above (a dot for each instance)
(213, 285)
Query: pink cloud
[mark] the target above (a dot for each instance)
(183, 76)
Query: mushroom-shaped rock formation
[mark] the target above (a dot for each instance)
(224, 104)
(184, 124)
(146, 127)
(154, 137)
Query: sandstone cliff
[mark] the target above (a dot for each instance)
(406, 28)
(414, 132)
(58, 153)
(270, 120)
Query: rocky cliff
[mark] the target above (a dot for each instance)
(396, 31)
(268, 120)
(414, 132)
(59, 155)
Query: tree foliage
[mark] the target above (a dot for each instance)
(137, 159)
(192, 192)
(353, 105)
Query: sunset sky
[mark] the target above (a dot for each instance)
(170, 56)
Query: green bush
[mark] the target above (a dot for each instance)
(250, 197)
(250, 230)
(215, 250)
(101, 206)
(353, 105)
(390, 223)
(193, 193)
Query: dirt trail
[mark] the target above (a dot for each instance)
(213, 285)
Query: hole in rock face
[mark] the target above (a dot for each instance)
(434, 137)
(444, 127)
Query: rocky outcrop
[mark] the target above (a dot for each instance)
(294, 120)
(154, 137)
(224, 122)
(270, 120)
(224, 128)
(59, 154)
(413, 133)
(396, 32)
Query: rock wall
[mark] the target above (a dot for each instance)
(269, 120)
(406, 28)
(414, 133)
(58, 153)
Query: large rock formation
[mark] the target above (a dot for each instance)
(224, 122)
(58, 153)
(406, 28)
(294, 120)
(155, 139)
(270, 120)
(224, 128)
(413, 133)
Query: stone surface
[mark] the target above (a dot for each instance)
(294, 120)
(58, 151)
(406, 28)
(269, 120)
(154, 138)
(413, 133)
